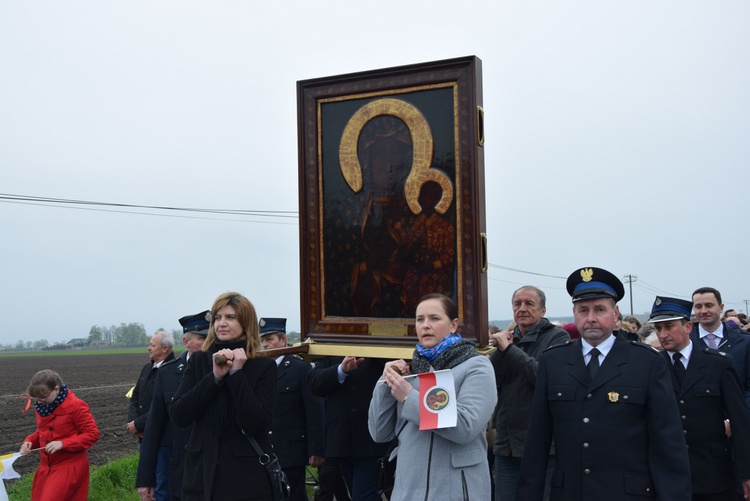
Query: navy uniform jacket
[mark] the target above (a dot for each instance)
(736, 344)
(710, 393)
(140, 401)
(347, 406)
(298, 428)
(617, 437)
(159, 424)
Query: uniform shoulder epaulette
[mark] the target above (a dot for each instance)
(714, 352)
(566, 343)
(645, 346)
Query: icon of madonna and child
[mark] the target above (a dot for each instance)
(389, 218)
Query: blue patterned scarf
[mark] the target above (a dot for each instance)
(432, 353)
(45, 410)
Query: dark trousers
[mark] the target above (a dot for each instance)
(331, 483)
(359, 474)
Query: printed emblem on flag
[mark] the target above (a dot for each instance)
(436, 399)
(437, 394)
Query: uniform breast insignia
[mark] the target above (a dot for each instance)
(613, 396)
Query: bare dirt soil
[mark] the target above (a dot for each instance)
(100, 380)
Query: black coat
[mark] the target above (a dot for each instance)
(160, 429)
(220, 463)
(735, 343)
(347, 405)
(298, 428)
(515, 376)
(140, 401)
(617, 437)
(710, 393)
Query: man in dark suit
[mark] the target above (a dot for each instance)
(347, 383)
(160, 430)
(708, 391)
(711, 332)
(609, 405)
(298, 427)
(160, 350)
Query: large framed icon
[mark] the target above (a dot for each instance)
(391, 187)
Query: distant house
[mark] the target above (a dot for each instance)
(78, 342)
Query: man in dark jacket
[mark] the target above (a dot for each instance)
(298, 427)
(160, 351)
(347, 383)
(711, 332)
(515, 363)
(162, 439)
(708, 391)
(609, 405)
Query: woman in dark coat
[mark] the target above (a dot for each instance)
(227, 390)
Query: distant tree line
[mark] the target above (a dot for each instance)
(132, 334)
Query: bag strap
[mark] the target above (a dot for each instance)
(258, 450)
(394, 442)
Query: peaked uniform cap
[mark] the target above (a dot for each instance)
(197, 323)
(272, 326)
(594, 283)
(670, 308)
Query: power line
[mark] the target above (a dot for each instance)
(524, 271)
(63, 203)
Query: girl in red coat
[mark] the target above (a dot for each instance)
(65, 429)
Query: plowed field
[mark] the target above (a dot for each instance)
(101, 380)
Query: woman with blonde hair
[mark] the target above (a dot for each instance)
(65, 430)
(227, 394)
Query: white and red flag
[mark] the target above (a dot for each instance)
(7, 472)
(437, 395)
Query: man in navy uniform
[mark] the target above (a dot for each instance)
(347, 383)
(708, 391)
(710, 332)
(298, 428)
(160, 429)
(609, 405)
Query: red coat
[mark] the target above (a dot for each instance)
(64, 474)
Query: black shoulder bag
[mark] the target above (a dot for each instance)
(279, 483)
(385, 470)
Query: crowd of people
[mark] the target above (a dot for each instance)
(604, 408)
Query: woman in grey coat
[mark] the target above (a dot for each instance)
(445, 463)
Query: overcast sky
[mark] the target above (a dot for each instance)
(616, 136)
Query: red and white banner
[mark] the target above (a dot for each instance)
(437, 395)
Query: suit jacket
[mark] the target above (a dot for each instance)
(617, 437)
(160, 429)
(736, 343)
(298, 428)
(346, 406)
(710, 393)
(220, 463)
(140, 401)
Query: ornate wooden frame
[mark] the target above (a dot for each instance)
(353, 288)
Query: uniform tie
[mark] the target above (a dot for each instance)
(712, 341)
(594, 362)
(679, 368)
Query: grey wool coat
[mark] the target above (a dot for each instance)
(452, 460)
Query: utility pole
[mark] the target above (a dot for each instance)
(630, 279)
(746, 301)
